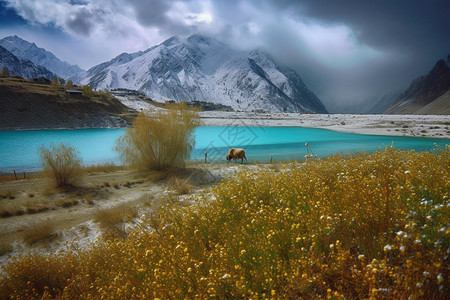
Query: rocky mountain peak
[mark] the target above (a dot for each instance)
(199, 68)
(39, 56)
(422, 93)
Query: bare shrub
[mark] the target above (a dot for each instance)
(62, 163)
(112, 216)
(5, 248)
(43, 231)
(112, 220)
(160, 141)
(180, 186)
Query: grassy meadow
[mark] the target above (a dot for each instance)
(369, 225)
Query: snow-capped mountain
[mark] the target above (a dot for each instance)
(27, 50)
(22, 67)
(200, 68)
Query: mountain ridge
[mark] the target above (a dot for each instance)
(22, 67)
(426, 94)
(39, 56)
(199, 68)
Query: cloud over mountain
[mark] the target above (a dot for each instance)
(348, 51)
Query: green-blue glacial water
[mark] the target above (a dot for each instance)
(19, 150)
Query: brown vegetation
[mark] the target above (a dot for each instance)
(160, 141)
(38, 232)
(61, 163)
(30, 105)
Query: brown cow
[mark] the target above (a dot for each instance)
(236, 154)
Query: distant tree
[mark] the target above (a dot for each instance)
(69, 84)
(55, 81)
(87, 91)
(62, 81)
(5, 72)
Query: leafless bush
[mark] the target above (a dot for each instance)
(160, 141)
(62, 163)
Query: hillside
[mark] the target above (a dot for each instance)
(26, 104)
(429, 94)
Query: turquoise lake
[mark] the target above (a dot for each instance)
(19, 150)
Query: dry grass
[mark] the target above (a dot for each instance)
(35, 206)
(160, 141)
(110, 217)
(8, 195)
(9, 209)
(62, 164)
(104, 168)
(89, 199)
(5, 248)
(39, 232)
(181, 186)
(20, 176)
(112, 220)
(67, 202)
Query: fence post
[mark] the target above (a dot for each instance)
(206, 155)
(15, 175)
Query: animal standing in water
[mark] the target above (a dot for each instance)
(236, 154)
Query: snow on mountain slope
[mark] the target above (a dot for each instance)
(39, 56)
(22, 67)
(200, 68)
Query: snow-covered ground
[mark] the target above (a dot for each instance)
(436, 126)
(136, 103)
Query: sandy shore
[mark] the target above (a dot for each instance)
(434, 126)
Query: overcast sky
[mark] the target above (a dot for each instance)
(347, 51)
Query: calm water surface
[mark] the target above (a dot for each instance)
(19, 150)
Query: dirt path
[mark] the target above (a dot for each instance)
(44, 219)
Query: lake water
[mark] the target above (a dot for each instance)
(19, 150)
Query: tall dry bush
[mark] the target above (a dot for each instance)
(62, 163)
(160, 141)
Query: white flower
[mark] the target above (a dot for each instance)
(225, 276)
(361, 257)
(387, 248)
(407, 172)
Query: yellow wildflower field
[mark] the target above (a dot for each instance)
(369, 225)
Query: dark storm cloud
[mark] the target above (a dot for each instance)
(81, 22)
(406, 39)
(154, 13)
(346, 51)
(411, 27)
(386, 23)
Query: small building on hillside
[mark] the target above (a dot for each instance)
(74, 93)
